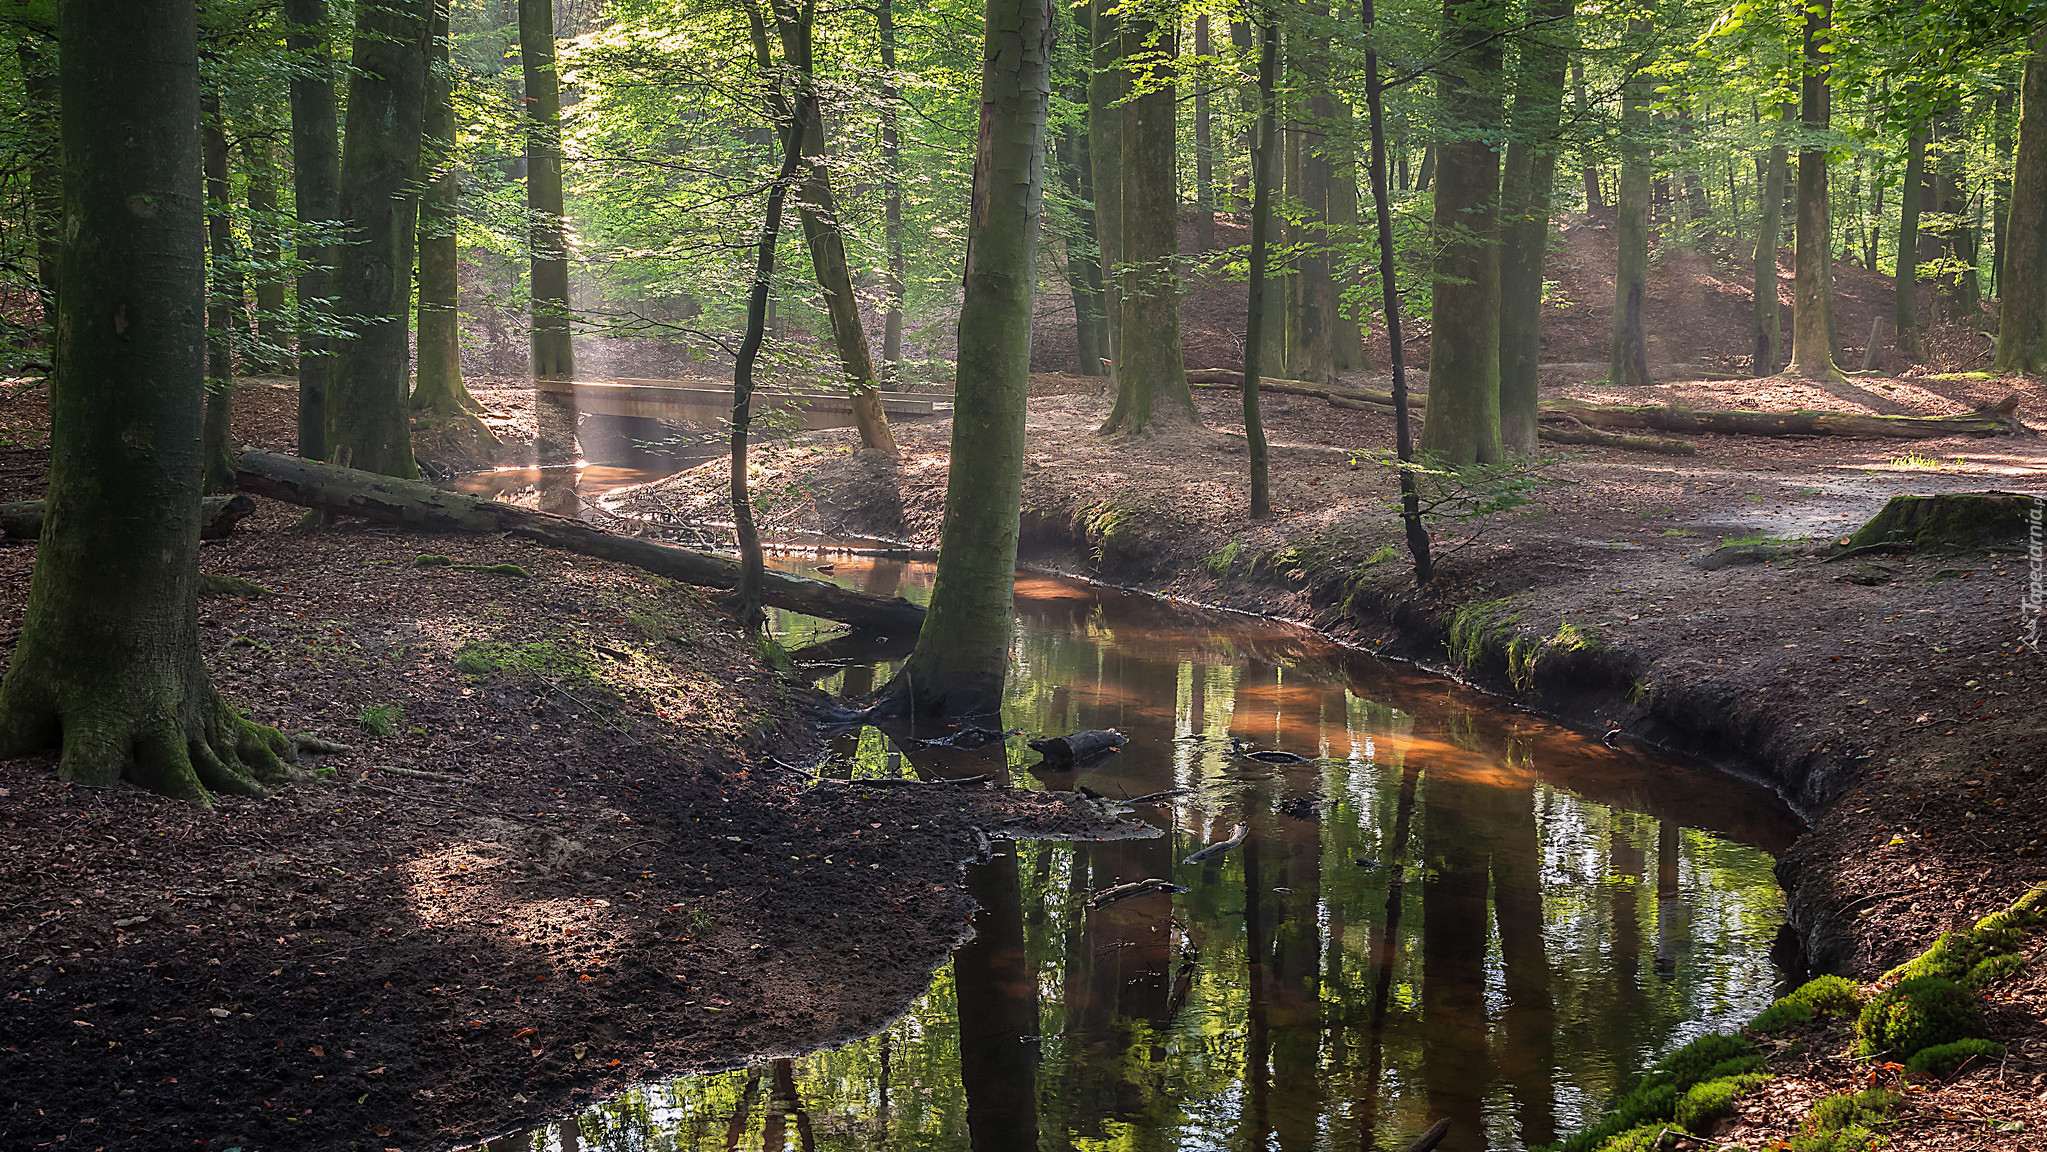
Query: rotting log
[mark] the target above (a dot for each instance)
(411, 504)
(1990, 420)
(1078, 748)
(1573, 432)
(218, 515)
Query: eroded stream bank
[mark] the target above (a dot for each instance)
(1441, 908)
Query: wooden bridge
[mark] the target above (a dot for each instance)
(710, 401)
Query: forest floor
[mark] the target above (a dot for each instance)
(1891, 698)
(609, 878)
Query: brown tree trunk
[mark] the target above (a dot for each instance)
(1107, 85)
(35, 50)
(1629, 363)
(1531, 170)
(1769, 321)
(271, 352)
(1204, 151)
(227, 315)
(1905, 281)
(316, 189)
(554, 356)
(1812, 307)
(892, 196)
(2022, 284)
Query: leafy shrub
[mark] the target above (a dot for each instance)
(1711, 1100)
(1781, 1015)
(1943, 1060)
(1827, 996)
(1645, 1138)
(1915, 1013)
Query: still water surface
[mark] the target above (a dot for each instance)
(1448, 909)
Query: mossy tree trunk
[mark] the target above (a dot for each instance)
(1629, 363)
(107, 668)
(1464, 349)
(316, 184)
(1769, 313)
(1151, 374)
(2022, 281)
(1812, 305)
(226, 309)
(368, 424)
(438, 389)
(962, 652)
(1264, 171)
(270, 353)
(554, 356)
(820, 215)
(1905, 278)
(1531, 172)
(1108, 84)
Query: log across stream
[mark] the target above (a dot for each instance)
(1448, 909)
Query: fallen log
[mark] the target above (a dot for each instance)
(411, 504)
(1570, 431)
(1990, 420)
(1216, 849)
(218, 515)
(1072, 751)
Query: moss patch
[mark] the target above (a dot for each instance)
(1915, 1013)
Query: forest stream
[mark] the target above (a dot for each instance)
(1443, 908)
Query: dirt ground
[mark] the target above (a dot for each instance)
(1889, 697)
(572, 860)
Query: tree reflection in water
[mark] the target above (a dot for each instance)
(1442, 913)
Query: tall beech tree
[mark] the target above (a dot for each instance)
(35, 50)
(1629, 363)
(107, 668)
(316, 190)
(1768, 326)
(1083, 255)
(892, 195)
(1812, 304)
(1108, 84)
(1264, 171)
(820, 214)
(1463, 424)
(1905, 278)
(226, 314)
(368, 422)
(962, 653)
(554, 356)
(270, 352)
(438, 391)
(1151, 373)
(1204, 144)
(1530, 174)
(2022, 282)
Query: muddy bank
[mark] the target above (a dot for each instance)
(1890, 698)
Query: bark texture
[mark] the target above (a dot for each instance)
(1464, 348)
(1769, 313)
(1630, 356)
(438, 388)
(554, 356)
(1812, 303)
(368, 423)
(892, 196)
(107, 668)
(1905, 279)
(2022, 307)
(316, 184)
(1264, 165)
(270, 352)
(1531, 172)
(962, 653)
(226, 315)
(1107, 84)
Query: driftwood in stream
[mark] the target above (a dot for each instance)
(347, 492)
(218, 515)
(1072, 751)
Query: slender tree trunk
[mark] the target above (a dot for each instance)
(892, 197)
(270, 353)
(1243, 37)
(820, 214)
(1531, 172)
(368, 426)
(1905, 281)
(1311, 344)
(1151, 374)
(554, 356)
(1812, 307)
(1389, 294)
(34, 50)
(1959, 295)
(1630, 358)
(227, 314)
(1427, 174)
(1107, 84)
(797, 115)
(1349, 340)
(316, 188)
(962, 652)
(2022, 283)
(1204, 150)
(1464, 348)
(1593, 201)
(439, 388)
(1083, 256)
(107, 668)
(1264, 162)
(2000, 206)
(1769, 327)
